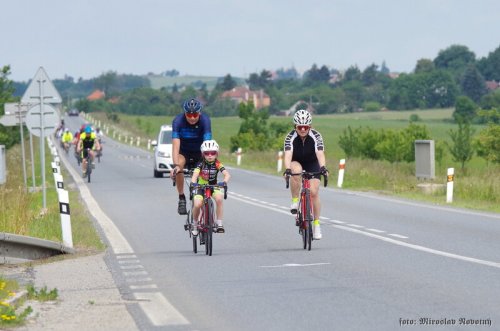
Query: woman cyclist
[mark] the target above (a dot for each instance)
(304, 150)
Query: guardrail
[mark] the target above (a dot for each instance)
(18, 249)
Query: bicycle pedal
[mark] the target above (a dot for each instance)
(186, 227)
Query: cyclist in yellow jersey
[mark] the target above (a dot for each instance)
(87, 140)
(66, 139)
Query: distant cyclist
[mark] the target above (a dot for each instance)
(206, 172)
(189, 131)
(304, 150)
(66, 139)
(88, 143)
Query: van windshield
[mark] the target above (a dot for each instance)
(166, 137)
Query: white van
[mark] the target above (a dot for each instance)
(163, 162)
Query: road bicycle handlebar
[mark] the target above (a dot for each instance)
(193, 188)
(307, 175)
(184, 171)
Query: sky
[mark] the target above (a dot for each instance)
(86, 38)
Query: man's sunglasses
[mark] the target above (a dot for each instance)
(303, 127)
(192, 115)
(210, 153)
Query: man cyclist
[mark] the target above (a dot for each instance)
(87, 144)
(66, 139)
(304, 150)
(189, 131)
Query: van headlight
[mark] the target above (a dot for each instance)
(163, 154)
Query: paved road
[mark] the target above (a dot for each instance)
(382, 262)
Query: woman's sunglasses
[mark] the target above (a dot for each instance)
(192, 115)
(303, 127)
(210, 153)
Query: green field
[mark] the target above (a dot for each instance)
(157, 82)
(477, 187)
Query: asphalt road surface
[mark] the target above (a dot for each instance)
(383, 263)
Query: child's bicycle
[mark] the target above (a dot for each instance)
(206, 224)
(305, 215)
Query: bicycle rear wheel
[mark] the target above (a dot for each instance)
(89, 170)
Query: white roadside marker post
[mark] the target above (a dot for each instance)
(449, 185)
(341, 173)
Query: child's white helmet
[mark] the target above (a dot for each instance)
(209, 145)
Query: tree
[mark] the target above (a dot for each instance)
(352, 73)
(384, 70)
(473, 84)
(8, 135)
(462, 149)
(455, 58)
(488, 143)
(228, 83)
(424, 65)
(465, 109)
(490, 66)
(369, 75)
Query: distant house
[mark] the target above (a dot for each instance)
(96, 95)
(244, 94)
(492, 85)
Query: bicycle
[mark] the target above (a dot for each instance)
(305, 215)
(88, 160)
(206, 224)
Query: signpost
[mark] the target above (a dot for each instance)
(41, 117)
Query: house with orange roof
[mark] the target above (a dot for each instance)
(243, 94)
(96, 95)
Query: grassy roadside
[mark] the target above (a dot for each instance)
(477, 187)
(21, 210)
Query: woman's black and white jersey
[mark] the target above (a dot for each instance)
(304, 151)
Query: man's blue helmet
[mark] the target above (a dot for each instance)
(192, 106)
(88, 129)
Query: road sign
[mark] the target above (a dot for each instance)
(12, 111)
(41, 81)
(34, 122)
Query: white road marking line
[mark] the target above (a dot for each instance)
(338, 222)
(128, 267)
(139, 280)
(128, 261)
(288, 265)
(159, 311)
(135, 273)
(143, 287)
(355, 226)
(119, 257)
(349, 227)
(422, 248)
(397, 235)
(375, 230)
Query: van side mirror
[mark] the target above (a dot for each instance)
(154, 143)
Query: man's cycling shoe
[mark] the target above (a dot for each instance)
(181, 208)
(220, 229)
(293, 207)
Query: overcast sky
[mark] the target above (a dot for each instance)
(85, 38)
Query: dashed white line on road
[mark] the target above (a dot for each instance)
(159, 310)
(398, 235)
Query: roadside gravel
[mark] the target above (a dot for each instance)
(88, 298)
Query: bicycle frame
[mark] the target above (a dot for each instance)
(305, 213)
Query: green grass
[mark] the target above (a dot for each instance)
(21, 210)
(477, 187)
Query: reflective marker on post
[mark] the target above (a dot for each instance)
(65, 218)
(238, 156)
(280, 161)
(449, 185)
(341, 172)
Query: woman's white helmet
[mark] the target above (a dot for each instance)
(209, 145)
(302, 117)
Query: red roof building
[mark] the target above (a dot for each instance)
(243, 94)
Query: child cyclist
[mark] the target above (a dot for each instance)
(206, 172)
